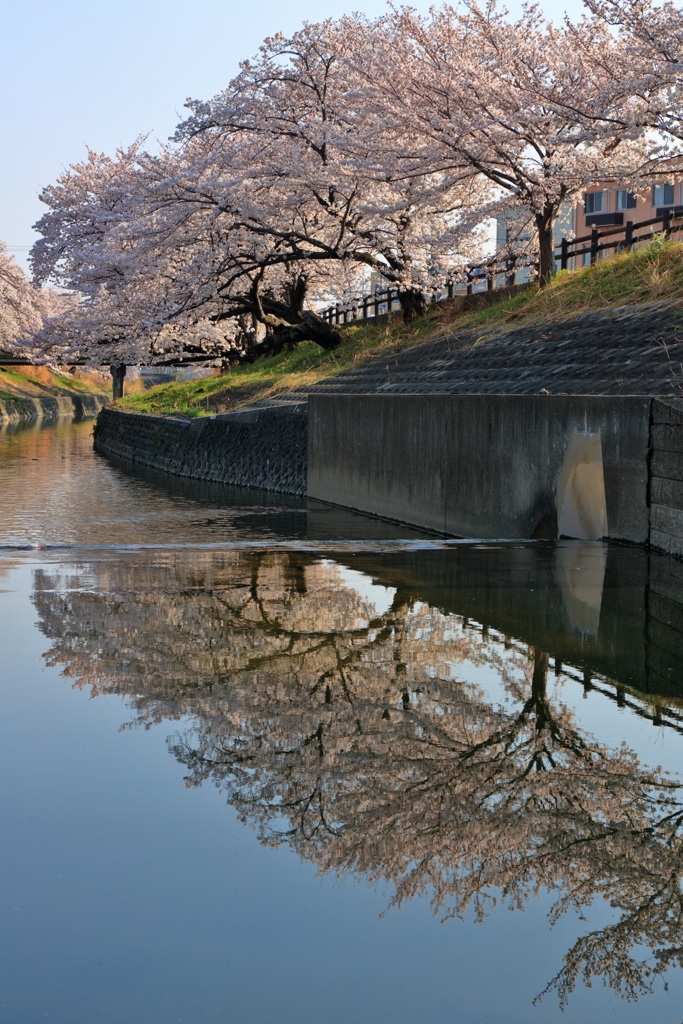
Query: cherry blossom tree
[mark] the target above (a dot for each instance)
(21, 306)
(267, 189)
(646, 69)
(505, 100)
(350, 147)
(332, 160)
(89, 246)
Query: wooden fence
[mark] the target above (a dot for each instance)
(502, 273)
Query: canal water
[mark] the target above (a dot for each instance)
(266, 760)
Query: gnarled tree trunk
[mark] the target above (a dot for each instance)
(308, 327)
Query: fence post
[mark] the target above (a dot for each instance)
(450, 289)
(564, 254)
(469, 282)
(666, 223)
(628, 236)
(510, 272)
(365, 308)
(595, 242)
(489, 278)
(376, 303)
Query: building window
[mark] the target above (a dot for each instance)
(626, 199)
(663, 195)
(596, 202)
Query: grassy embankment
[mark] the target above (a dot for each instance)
(17, 382)
(653, 273)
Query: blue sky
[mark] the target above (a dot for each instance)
(78, 72)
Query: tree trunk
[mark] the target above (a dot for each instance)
(310, 327)
(545, 225)
(412, 303)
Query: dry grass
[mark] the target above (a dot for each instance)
(653, 273)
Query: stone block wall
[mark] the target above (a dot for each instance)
(263, 448)
(20, 411)
(666, 476)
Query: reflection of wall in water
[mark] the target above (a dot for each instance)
(614, 611)
(524, 591)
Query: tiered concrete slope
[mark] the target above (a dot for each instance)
(627, 351)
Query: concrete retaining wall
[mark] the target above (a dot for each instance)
(475, 466)
(468, 466)
(18, 411)
(263, 448)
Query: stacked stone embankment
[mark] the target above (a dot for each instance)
(666, 476)
(19, 411)
(265, 448)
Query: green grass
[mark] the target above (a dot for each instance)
(651, 273)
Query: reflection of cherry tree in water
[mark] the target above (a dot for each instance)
(350, 735)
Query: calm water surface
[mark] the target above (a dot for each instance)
(263, 761)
